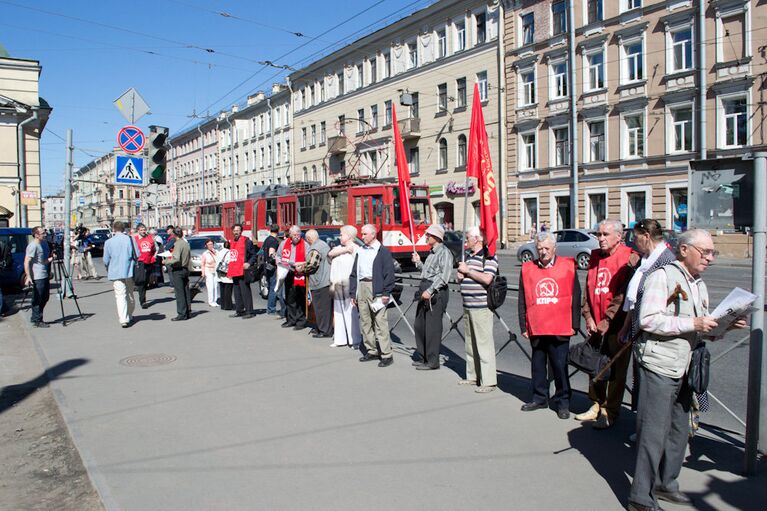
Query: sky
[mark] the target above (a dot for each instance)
(186, 58)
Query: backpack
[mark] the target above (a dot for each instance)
(6, 260)
(496, 291)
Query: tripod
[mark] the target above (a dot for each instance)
(64, 280)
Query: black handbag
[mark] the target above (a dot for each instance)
(589, 358)
(140, 274)
(697, 374)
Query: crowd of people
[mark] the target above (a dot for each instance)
(646, 297)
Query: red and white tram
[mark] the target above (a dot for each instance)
(354, 202)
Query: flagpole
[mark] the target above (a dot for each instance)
(465, 214)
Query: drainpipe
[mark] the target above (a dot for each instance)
(573, 120)
(502, 188)
(231, 155)
(289, 120)
(22, 149)
(702, 86)
(271, 134)
(202, 161)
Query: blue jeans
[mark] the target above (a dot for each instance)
(271, 302)
(41, 290)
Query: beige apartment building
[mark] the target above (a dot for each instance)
(23, 116)
(645, 108)
(425, 66)
(53, 212)
(97, 201)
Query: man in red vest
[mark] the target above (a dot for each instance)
(242, 255)
(610, 269)
(549, 303)
(292, 255)
(146, 259)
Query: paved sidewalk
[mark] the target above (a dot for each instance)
(252, 416)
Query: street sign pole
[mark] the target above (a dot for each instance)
(68, 201)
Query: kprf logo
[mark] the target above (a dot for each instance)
(603, 281)
(546, 291)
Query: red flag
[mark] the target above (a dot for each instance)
(403, 172)
(479, 165)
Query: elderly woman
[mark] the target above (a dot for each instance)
(347, 327)
(208, 265)
(227, 284)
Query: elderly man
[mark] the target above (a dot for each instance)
(549, 306)
(433, 296)
(178, 268)
(145, 263)
(610, 269)
(371, 283)
(475, 275)
(292, 254)
(672, 323)
(317, 267)
(120, 256)
(242, 255)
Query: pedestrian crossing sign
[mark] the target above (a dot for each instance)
(129, 171)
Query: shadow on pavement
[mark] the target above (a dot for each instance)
(71, 318)
(13, 394)
(154, 316)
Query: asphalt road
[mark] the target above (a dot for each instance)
(729, 375)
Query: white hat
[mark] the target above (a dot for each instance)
(437, 231)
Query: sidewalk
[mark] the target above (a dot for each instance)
(246, 415)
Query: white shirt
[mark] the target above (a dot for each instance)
(365, 257)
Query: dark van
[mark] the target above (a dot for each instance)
(18, 239)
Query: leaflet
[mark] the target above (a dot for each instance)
(165, 254)
(737, 304)
(377, 304)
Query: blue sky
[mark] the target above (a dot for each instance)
(183, 56)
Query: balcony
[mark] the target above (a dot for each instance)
(410, 128)
(337, 145)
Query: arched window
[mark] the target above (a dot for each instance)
(461, 150)
(314, 173)
(442, 153)
(306, 174)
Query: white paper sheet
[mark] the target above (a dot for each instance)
(736, 305)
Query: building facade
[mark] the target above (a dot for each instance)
(23, 116)
(653, 88)
(97, 201)
(424, 66)
(53, 212)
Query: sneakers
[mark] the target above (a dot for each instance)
(589, 415)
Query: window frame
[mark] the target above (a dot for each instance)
(442, 151)
(462, 145)
(484, 86)
(523, 39)
(626, 131)
(442, 97)
(671, 49)
(587, 67)
(625, 59)
(554, 145)
(559, 82)
(722, 117)
(671, 139)
(562, 25)
(459, 30)
(588, 141)
(525, 152)
(529, 85)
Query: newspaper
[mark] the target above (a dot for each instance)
(737, 304)
(377, 304)
(165, 254)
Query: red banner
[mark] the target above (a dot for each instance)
(403, 172)
(479, 165)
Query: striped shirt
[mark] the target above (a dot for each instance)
(653, 316)
(475, 294)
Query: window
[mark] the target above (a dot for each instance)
(528, 154)
(636, 207)
(527, 95)
(631, 4)
(359, 76)
(460, 92)
(303, 139)
(442, 154)
(596, 134)
(529, 214)
(387, 112)
(277, 152)
(442, 94)
(681, 120)
(287, 150)
(413, 163)
(633, 136)
(387, 65)
(313, 140)
(460, 36)
(322, 99)
(261, 157)
(633, 61)
(361, 120)
(442, 44)
(323, 133)
(594, 11)
(681, 50)
(341, 124)
(597, 208)
(561, 146)
(374, 116)
(461, 150)
(558, 18)
(528, 29)
(412, 55)
(482, 80)
(595, 64)
(373, 71)
(559, 80)
(735, 112)
(481, 27)
(414, 106)
(340, 78)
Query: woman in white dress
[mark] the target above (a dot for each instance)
(208, 265)
(222, 262)
(345, 318)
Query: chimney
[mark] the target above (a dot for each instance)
(235, 109)
(277, 87)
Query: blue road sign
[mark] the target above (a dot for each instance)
(82, 201)
(131, 139)
(130, 171)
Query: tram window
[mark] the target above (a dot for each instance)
(377, 203)
(304, 209)
(210, 216)
(240, 213)
(338, 208)
(271, 212)
(321, 208)
(359, 217)
(420, 210)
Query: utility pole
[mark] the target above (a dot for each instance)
(202, 162)
(68, 200)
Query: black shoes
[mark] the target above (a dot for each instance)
(299, 327)
(144, 306)
(248, 316)
(367, 357)
(314, 331)
(386, 362)
(237, 315)
(675, 497)
(180, 318)
(563, 413)
(633, 506)
(424, 367)
(287, 324)
(529, 407)
(417, 363)
(41, 324)
(321, 336)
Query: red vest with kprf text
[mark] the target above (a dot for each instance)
(607, 276)
(549, 297)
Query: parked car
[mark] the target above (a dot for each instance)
(196, 249)
(454, 242)
(97, 240)
(670, 237)
(575, 243)
(17, 238)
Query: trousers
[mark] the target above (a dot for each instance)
(89, 267)
(346, 321)
(428, 327)
(243, 297)
(41, 290)
(124, 299)
(374, 325)
(322, 301)
(480, 347)
(295, 299)
(553, 350)
(180, 281)
(662, 435)
(211, 286)
(608, 395)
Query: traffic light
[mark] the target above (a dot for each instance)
(158, 136)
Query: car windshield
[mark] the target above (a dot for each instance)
(99, 236)
(197, 243)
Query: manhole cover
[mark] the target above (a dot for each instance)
(150, 360)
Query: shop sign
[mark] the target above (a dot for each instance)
(29, 198)
(436, 191)
(454, 188)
